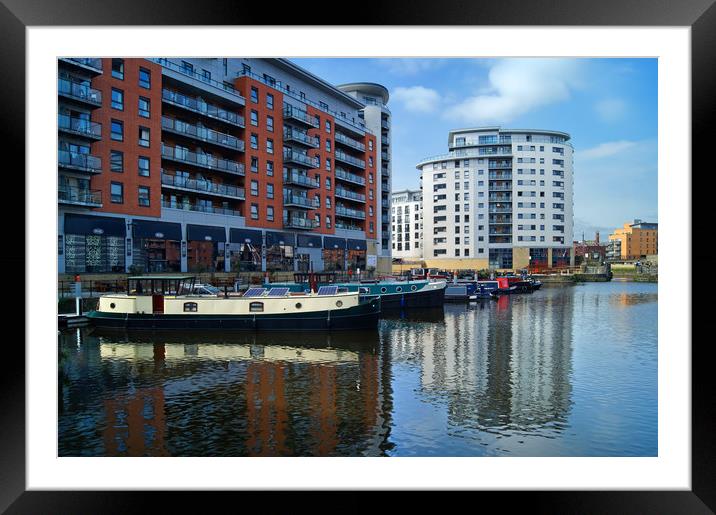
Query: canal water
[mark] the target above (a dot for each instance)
(566, 371)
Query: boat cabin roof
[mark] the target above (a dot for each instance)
(161, 277)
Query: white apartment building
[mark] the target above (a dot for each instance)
(406, 215)
(499, 199)
(376, 117)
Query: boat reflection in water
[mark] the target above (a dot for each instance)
(190, 395)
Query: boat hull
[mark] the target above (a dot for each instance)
(428, 298)
(362, 316)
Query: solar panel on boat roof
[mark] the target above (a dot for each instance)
(277, 292)
(328, 290)
(254, 292)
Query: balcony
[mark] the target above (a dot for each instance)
(500, 175)
(349, 177)
(198, 80)
(350, 213)
(79, 196)
(347, 226)
(299, 137)
(500, 188)
(199, 106)
(299, 223)
(384, 141)
(500, 220)
(384, 156)
(202, 160)
(500, 239)
(200, 209)
(500, 209)
(298, 201)
(91, 64)
(203, 186)
(289, 156)
(497, 165)
(500, 198)
(345, 158)
(298, 115)
(79, 162)
(384, 171)
(385, 124)
(202, 134)
(79, 92)
(349, 142)
(350, 195)
(79, 127)
(296, 179)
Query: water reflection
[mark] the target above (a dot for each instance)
(564, 371)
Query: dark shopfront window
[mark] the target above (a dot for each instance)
(560, 258)
(279, 258)
(333, 260)
(356, 260)
(244, 257)
(94, 253)
(157, 255)
(205, 256)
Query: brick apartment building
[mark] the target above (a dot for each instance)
(214, 164)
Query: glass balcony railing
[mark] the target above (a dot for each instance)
(350, 142)
(200, 208)
(203, 160)
(90, 62)
(293, 113)
(350, 177)
(500, 175)
(190, 72)
(78, 161)
(300, 137)
(351, 195)
(198, 105)
(297, 179)
(297, 201)
(79, 196)
(298, 158)
(342, 156)
(79, 126)
(299, 223)
(203, 186)
(77, 91)
(202, 133)
(347, 227)
(350, 213)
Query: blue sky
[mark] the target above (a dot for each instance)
(609, 106)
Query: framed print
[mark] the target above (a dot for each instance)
(182, 197)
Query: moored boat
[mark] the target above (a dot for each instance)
(460, 292)
(393, 294)
(160, 302)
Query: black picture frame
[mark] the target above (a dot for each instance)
(17, 15)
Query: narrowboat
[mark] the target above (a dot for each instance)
(523, 284)
(460, 292)
(168, 302)
(393, 294)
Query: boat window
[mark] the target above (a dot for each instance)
(112, 305)
(256, 306)
(399, 289)
(383, 289)
(339, 303)
(413, 288)
(363, 290)
(191, 307)
(298, 305)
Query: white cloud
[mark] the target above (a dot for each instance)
(611, 109)
(417, 99)
(604, 150)
(517, 86)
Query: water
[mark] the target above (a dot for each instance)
(566, 371)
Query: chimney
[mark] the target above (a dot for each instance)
(597, 238)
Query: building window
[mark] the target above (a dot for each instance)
(116, 161)
(254, 164)
(328, 221)
(117, 192)
(187, 67)
(191, 307)
(143, 164)
(328, 164)
(255, 188)
(269, 100)
(205, 75)
(254, 211)
(144, 107)
(269, 190)
(328, 183)
(143, 196)
(254, 95)
(117, 130)
(269, 123)
(254, 141)
(269, 145)
(145, 78)
(328, 202)
(117, 99)
(254, 118)
(328, 145)
(256, 307)
(118, 69)
(143, 137)
(269, 213)
(328, 126)
(269, 168)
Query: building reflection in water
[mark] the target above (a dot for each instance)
(499, 366)
(128, 395)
